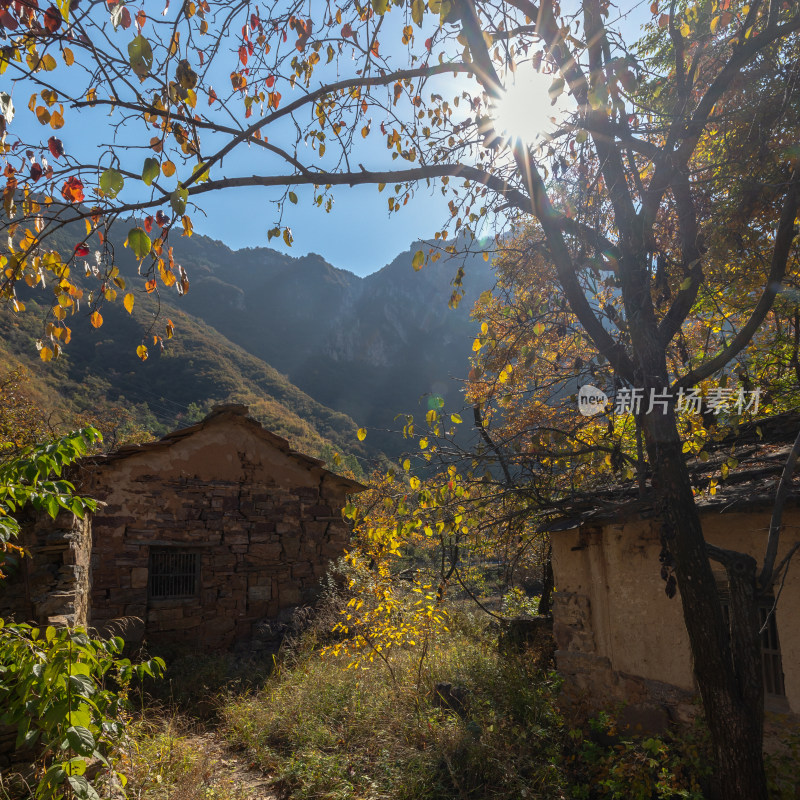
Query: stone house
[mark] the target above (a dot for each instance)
(201, 534)
(619, 638)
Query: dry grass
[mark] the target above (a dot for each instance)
(170, 758)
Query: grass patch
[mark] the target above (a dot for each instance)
(169, 758)
(327, 731)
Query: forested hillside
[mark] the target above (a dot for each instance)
(289, 336)
(100, 376)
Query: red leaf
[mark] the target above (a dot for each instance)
(429, 44)
(72, 191)
(148, 224)
(141, 18)
(212, 96)
(82, 249)
(270, 81)
(347, 30)
(126, 18)
(36, 172)
(243, 54)
(52, 19)
(202, 56)
(7, 21)
(161, 218)
(253, 21)
(55, 147)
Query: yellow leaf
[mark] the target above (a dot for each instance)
(69, 58)
(128, 302)
(141, 351)
(476, 345)
(96, 319)
(45, 354)
(362, 434)
(168, 168)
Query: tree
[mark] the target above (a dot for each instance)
(678, 163)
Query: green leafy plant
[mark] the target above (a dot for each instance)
(604, 763)
(34, 476)
(65, 692)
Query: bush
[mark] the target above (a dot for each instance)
(327, 730)
(603, 765)
(66, 694)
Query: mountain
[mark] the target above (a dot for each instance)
(349, 348)
(369, 347)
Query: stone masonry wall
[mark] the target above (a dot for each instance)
(51, 585)
(261, 549)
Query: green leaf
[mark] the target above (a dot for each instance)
(418, 261)
(81, 740)
(140, 55)
(417, 10)
(292, 198)
(140, 242)
(380, 6)
(111, 183)
(82, 788)
(178, 199)
(83, 684)
(150, 170)
(556, 88)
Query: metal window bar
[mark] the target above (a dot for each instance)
(771, 653)
(770, 646)
(173, 574)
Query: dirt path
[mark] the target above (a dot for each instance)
(230, 771)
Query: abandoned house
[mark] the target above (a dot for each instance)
(619, 637)
(202, 535)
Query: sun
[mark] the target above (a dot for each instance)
(525, 111)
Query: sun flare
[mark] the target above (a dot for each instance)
(525, 111)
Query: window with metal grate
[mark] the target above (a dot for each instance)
(770, 646)
(173, 573)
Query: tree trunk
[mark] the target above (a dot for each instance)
(731, 690)
(547, 583)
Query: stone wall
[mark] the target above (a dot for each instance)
(259, 552)
(51, 585)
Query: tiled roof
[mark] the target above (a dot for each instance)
(759, 450)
